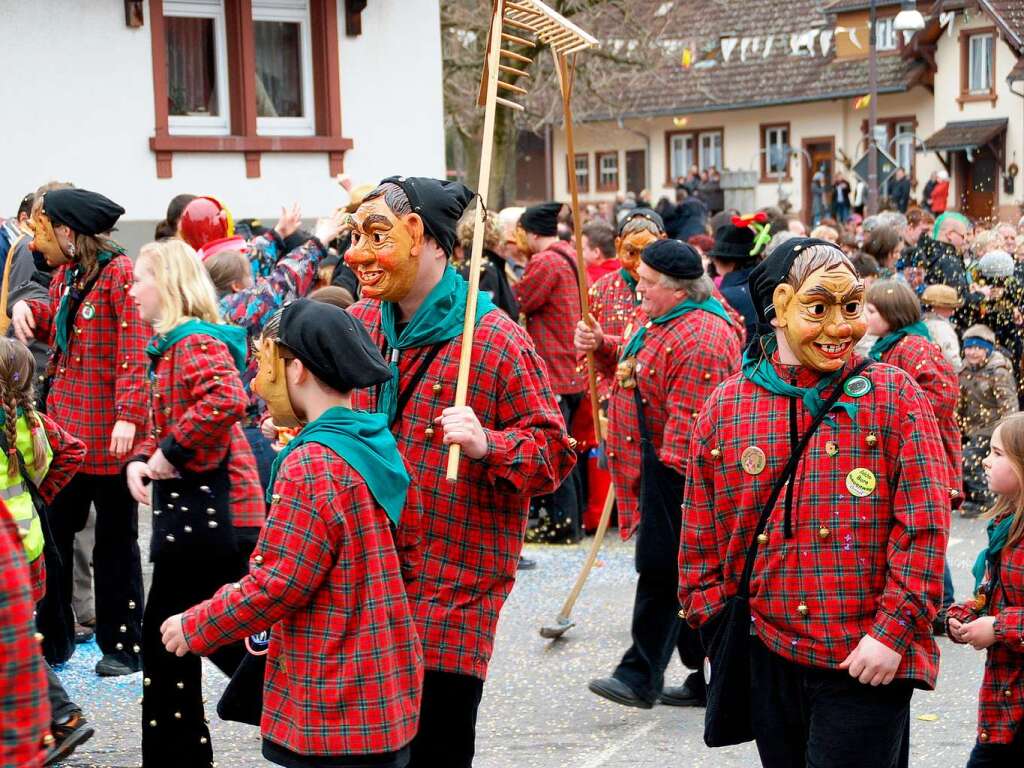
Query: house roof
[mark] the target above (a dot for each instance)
(965, 134)
(1009, 16)
(842, 6)
(794, 70)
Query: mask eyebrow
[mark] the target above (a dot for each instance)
(372, 220)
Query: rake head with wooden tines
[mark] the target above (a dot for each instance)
(533, 23)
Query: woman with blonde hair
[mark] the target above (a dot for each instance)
(198, 474)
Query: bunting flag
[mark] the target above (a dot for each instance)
(728, 46)
(852, 32)
(768, 46)
(687, 60)
(947, 19)
(755, 44)
(863, 102)
(825, 39)
(744, 45)
(794, 43)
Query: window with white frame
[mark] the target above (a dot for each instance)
(582, 168)
(776, 146)
(681, 153)
(197, 68)
(284, 68)
(979, 63)
(608, 171)
(885, 35)
(904, 141)
(710, 150)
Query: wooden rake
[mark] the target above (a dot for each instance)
(530, 24)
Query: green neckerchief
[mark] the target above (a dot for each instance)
(234, 337)
(890, 340)
(761, 372)
(997, 535)
(439, 318)
(710, 304)
(630, 281)
(364, 440)
(71, 275)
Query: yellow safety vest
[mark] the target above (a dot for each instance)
(16, 496)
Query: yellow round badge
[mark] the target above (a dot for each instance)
(753, 460)
(861, 482)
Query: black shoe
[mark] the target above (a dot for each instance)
(681, 696)
(117, 665)
(83, 634)
(67, 737)
(615, 690)
(526, 564)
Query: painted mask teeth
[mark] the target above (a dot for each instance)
(833, 349)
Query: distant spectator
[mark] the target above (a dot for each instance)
(866, 266)
(332, 294)
(818, 189)
(940, 302)
(797, 227)
(841, 198)
(822, 232)
(883, 244)
(169, 226)
(926, 193)
(940, 193)
(899, 190)
(599, 250)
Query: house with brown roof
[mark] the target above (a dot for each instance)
(777, 89)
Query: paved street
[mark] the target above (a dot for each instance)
(537, 712)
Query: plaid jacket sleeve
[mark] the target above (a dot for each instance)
(409, 535)
(703, 588)
(920, 529)
(43, 311)
(68, 453)
(130, 391)
(23, 700)
(529, 448)
(212, 390)
(297, 547)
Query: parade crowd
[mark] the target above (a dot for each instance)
(787, 422)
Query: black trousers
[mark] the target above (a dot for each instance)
(999, 755)
(174, 729)
(657, 632)
(61, 705)
(117, 566)
(823, 718)
(447, 731)
(560, 514)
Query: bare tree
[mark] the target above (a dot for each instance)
(630, 45)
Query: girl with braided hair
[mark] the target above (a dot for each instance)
(37, 460)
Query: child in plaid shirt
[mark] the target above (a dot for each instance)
(994, 618)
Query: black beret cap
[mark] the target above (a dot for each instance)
(333, 345)
(732, 242)
(439, 203)
(642, 213)
(87, 213)
(673, 258)
(541, 219)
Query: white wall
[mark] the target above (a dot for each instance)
(87, 86)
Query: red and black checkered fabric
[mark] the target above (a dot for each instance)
(473, 529)
(101, 377)
(198, 405)
(613, 303)
(345, 667)
(926, 364)
(1001, 698)
(851, 564)
(677, 369)
(24, 705)
(549, 297)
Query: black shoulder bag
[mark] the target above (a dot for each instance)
(727, 717)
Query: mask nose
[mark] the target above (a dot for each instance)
(359, 255)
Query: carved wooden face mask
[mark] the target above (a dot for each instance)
(629, 247)
(44, 239)
(385, 250)
(271, 384)
(822, 319)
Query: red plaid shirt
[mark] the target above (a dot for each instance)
(345, 668)
(24, 704)
(473, 529)
(101, 377)
(870, 564)
(549, 297)
(198, 404)
(926, 364)
(1001, 699)
(680, 364)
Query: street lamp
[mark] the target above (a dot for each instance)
(909, 19)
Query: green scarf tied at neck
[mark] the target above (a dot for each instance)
(710, 304)
(71, 275)
(761, 372)
(439, 318)
(365, 442)
(234, 337)
(630, 281)
(998, 532)
(890, 340)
